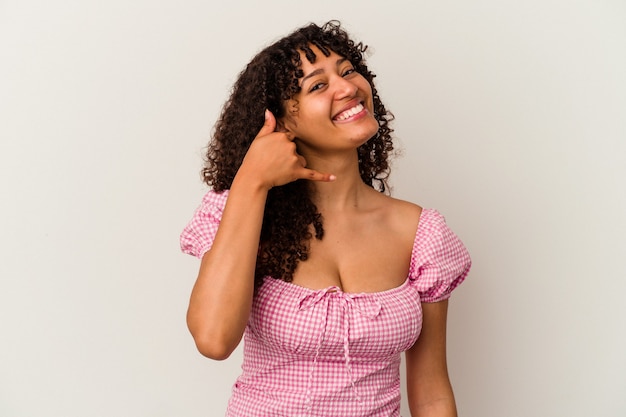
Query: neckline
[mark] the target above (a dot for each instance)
(392, 290)
(334, 288)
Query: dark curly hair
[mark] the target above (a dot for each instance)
(267, 82)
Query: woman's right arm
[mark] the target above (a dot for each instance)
(221, 298)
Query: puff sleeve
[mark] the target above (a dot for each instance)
(440, 261)
(197, 237)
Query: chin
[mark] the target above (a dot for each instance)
(364, 138)
(370, 131)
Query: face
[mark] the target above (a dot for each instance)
(334, 109)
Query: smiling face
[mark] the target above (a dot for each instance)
(334, 109)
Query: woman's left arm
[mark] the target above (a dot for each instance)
(428, 385)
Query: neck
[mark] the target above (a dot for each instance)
(347, 192)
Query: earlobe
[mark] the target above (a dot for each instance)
(286, 123)
(280, 126)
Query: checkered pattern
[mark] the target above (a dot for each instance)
(329, 353)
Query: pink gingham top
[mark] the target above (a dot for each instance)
(326, 352)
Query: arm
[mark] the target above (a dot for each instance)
(428, 385)
(221, 298)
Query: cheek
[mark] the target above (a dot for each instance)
(313, 114)
(364, 86)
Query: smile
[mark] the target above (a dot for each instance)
(349, 113)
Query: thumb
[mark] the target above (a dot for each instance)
(269, 125)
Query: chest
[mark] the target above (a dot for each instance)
(368, 257)
(330, 324)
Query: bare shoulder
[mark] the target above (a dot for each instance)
(403, 216)
(401, 207)
(407, 207)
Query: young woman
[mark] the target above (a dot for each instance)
(326, 277)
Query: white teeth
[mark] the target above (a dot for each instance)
(350, 112)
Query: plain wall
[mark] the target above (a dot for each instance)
(511, 116)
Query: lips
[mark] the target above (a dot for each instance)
(346, 114)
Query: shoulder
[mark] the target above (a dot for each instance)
(197, 236)
(212, 204)
(402, 217)
(437, 245)
(402, 211)
(214, 198)
(405, 207)
(432, 225)
(440, 261)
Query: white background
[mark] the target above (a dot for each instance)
(512, 120)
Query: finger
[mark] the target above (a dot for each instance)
(312, 175)
(269, 125)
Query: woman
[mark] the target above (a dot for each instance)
(326, 277)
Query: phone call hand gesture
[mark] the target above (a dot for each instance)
(273, 160)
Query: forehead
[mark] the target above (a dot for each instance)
(314, 58)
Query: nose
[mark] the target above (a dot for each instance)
(344, 88)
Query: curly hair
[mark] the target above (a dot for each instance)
(267, 82)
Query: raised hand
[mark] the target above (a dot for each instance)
(273, 160)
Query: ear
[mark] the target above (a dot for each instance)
(281, 125)
(286, 125)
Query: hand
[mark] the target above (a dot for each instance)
(273, 160)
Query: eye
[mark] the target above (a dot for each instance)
(316, 86)
(348, 71)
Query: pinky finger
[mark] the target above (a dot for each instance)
(312, 175)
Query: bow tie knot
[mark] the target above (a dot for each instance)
(366, 304)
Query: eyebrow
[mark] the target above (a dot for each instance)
(321, 70)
